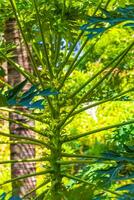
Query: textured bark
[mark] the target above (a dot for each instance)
(19, 151)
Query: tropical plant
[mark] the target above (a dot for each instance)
(56, 47)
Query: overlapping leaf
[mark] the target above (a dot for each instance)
(111, 19)
(3, 196)
(16, 96)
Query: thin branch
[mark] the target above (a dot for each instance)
(107, 3)
(86, 182)
(77, 40)
(42, 63)
(20, 142)
(25, 138)
(97, 74)
(101, 102)
(71, 66)
(6, 84)
(57, 49)
(26, 176)
(38, 56)
(89, 92)
(13, 4)
(82, 156)
(64, 8)
(19, 68)
(74, 63)
(48, 192)
(70, 138)
(24, 125)
(70, 162)
(78, 156)
(108, 73)
(38, 187)
(22, 114)
(70, 52)
(23, 160)
(43, 40)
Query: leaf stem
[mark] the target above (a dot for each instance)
(38, 187)
(70, 138)
(21, 113)
(19, 68)
(26, 176)
(43, 40)
(13, 4)
(20, 142)
(101, 102)
(23, 160)
(24, 125)
(70, 162)
(24, 138)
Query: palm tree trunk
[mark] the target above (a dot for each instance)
(19, 151)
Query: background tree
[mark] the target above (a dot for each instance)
(19, 151)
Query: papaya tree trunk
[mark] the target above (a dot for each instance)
(19, 151)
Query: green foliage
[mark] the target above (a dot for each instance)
(13, 97)
(57, 50)
(123, 137)
(2, 72)
(112, 18)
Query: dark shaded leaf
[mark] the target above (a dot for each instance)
(25, 103)
(129, 187)
(107, 14)
(127, 11)
(3, 196)
(48, 92)
(30, 91)
(127, 177)
(29, 104)
(112, 18)
(84, 27)
(129, 149)
(91, 36)
(2, 72)
(117, 157)
(15, 198)
(12, 102)
(96, 30)
(125, 197)
(12, 93)
(37, 104)
(28, 98)
(129, 24)
(110, 155)
(111, 171)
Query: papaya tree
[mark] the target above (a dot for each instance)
(58, 36)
